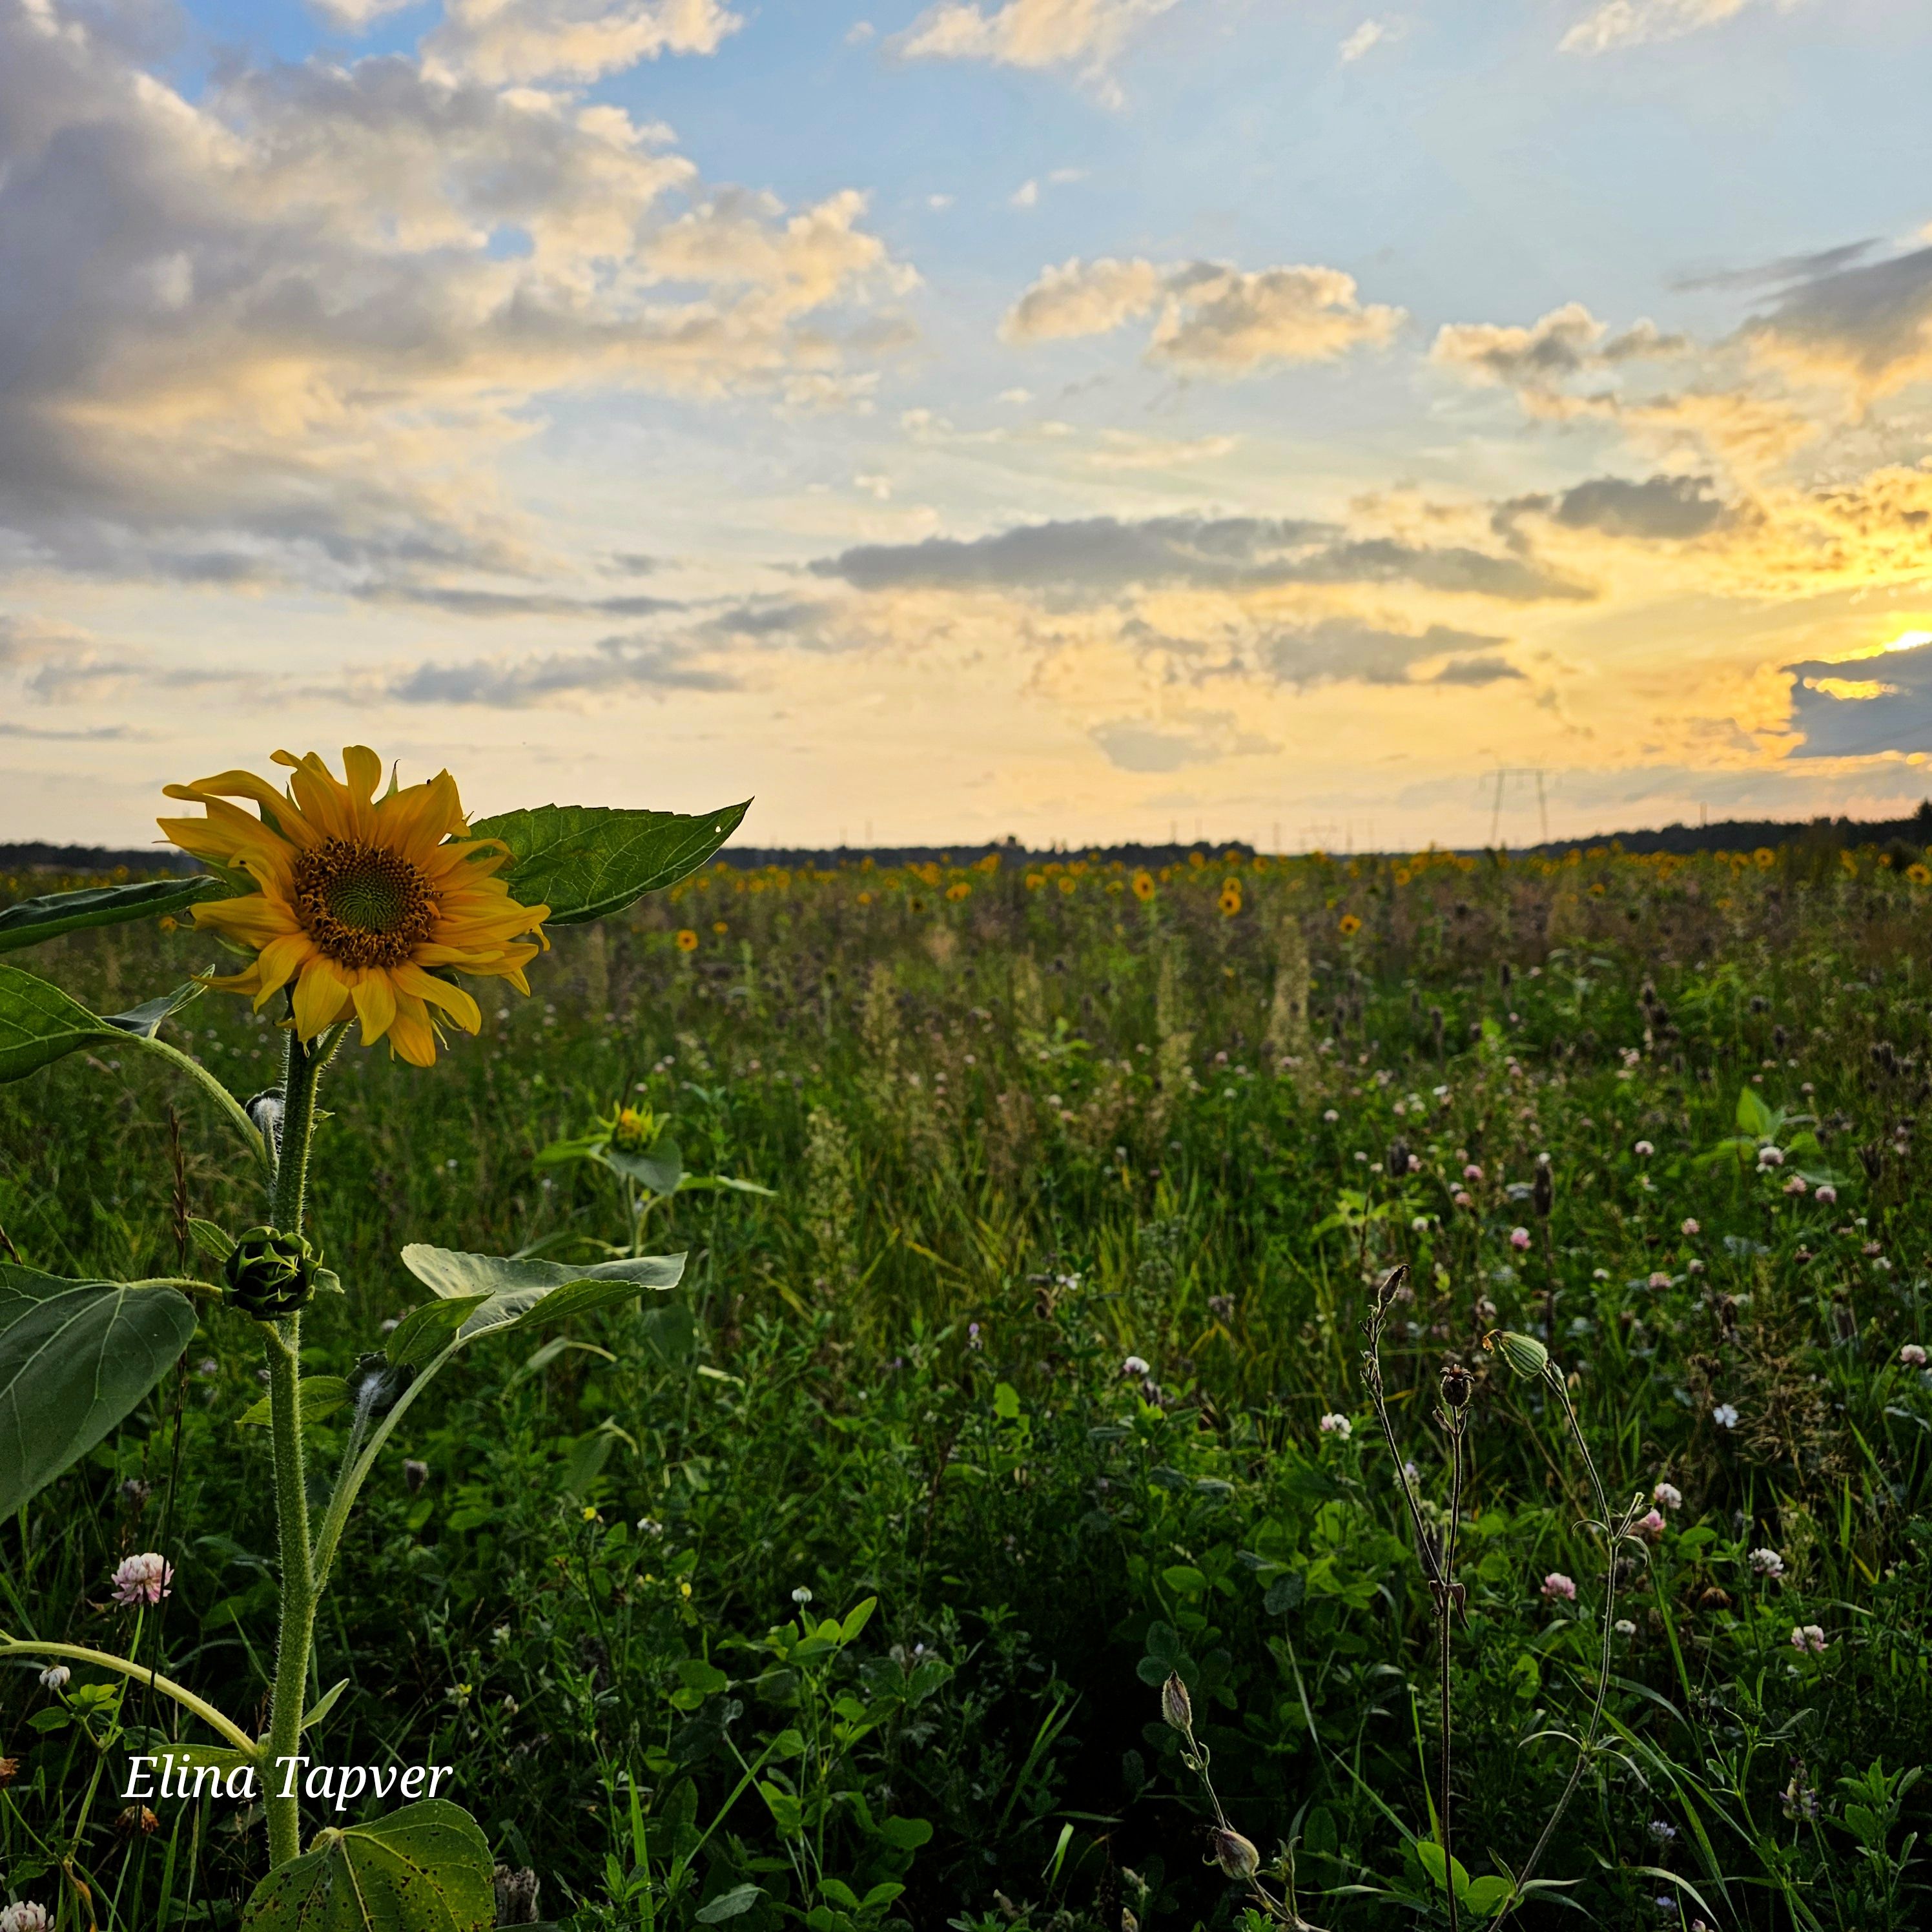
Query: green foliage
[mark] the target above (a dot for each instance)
(29, 922)
(424, 1868)
(586, 862)
(76, 1356)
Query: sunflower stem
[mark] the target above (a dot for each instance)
(282, 1340)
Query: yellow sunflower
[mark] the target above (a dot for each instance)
(359, 900)
(687, 941)
(1143, 886)
(1348, 925)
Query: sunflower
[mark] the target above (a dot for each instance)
(1143, 886)
(362, 905)
(1348, 925)
(687, 941)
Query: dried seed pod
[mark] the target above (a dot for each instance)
(1176, 1706)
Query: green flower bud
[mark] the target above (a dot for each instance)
(634, 1130)
(270, 1274)
(1524, 1353)
(1176, 1706)
(1235, 1854)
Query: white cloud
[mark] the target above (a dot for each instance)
(1370, 33)
(356, 15)
(1630, 23)
(1536, 361)
(1213, 320)
(500, 41)
(1027, 33)
(1027, 195)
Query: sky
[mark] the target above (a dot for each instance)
(1309, 421)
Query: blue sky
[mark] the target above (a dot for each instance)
(1069, 417)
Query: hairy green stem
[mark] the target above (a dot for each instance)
(282, 1342)
(238, 1117)
(142, 1674)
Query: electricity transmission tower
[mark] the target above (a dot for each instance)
(1500, 777)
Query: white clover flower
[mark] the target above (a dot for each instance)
(1770, 1156)
(1336, 1425)
(1559, 1587)
(1643, 1149)
(55, 1677)
(25, 1917)
(1668, 1494)
(144, 1578)
(1725, 1416)
(1767, 1563)
(1912, 1355)
(1134, 1365)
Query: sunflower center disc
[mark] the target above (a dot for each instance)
(363, 905)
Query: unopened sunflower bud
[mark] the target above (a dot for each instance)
(270, 1274)
(1458, 1384)
(1524, 1353)
(1176, 1706)
(633, 1130)
(1235, 1854)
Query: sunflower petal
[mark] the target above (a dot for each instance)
(321, 996)
(411, 1036)
(375, 998)
(363, 769)
(435, 992)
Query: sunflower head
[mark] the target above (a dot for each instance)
(363, 908)
(1348, 925)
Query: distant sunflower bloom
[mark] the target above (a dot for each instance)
(959, 890)
(1230, 902)
(1068, 884)
(1919, 875)
(719, 926)
(1349, 925)
(687, 941)
(1143, 886)
(360, 901)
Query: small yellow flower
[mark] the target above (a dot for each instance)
(1349, 925)
(590, 1515)
(1919, 874)
(362, 903)
(1143, 886)
(721, 927)
(1230, 902)
(687, 941)
(1068, 884)
(1766, 858)
(169, 923)
(961, 890)
(864, 898)
(1402, 875)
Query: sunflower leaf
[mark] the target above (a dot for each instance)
(425, 1868)
(145, 1020)
(517, 1294)
(586, 862)
(75, 1358)
(40, 1024)
(33, 920)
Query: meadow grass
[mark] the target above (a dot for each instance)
(1082, 1183)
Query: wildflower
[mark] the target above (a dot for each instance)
(1691, 1227)
(144, 1578)
(1230, 903)
(1525, 1353)
(1463, 1199)
(1808, 1637)
(1660, 1281)
(1668, 1494)
(1235, 1854)
(1767, 1563)
(1331, 1116)
(1650, 1526)
(1797, 1184)
(1827, 1195)
(1143, 886)
(1336, 1425)
(359, 900)
(1600, 1274)
(55, 1677)
(1519, 1238)
(1662, 1830)
(1624, 1627)
(1133, 1366)
(136, 1820)
(973, 1338)
(1348, 925)
(1643, 1149)
(10, 1769)
(1770, 1156)
(687, 939)
(25, 1917)
(1176, 1706)
(1559, 1587)
(1472, 1172)
(1912, 1355)
(801, 1596)
(1725, 1415)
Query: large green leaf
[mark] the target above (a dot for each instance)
(145, 1021)
(525, 1292)
(75, 1358)
(40, 1024)
(425, 1868)
(33, 920)
(661, 1169)
(586, 862)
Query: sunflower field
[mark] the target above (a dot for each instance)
(1011, 1407)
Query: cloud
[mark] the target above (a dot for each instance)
(59, 663)
(1103, 556)
(1348, 649)
(460, 601)
(1027, 195)
(355, 16)
(1631, 23)
(1124, 450)
(615, 666)
(514, 41)
(1659, 507)
(1027, 33)
(1868, 326)
(1865, 707)
(284, 331)
(1370, 34)
(1781, 269)
(1535, 362)
(1136, 746)
(1213, 320)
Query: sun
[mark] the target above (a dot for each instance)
(363, 907)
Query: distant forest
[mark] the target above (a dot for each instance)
(1731, 835)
